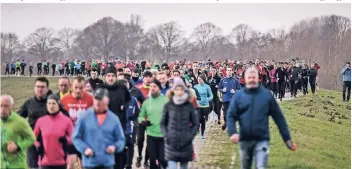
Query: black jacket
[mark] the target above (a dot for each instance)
(135, 92)
(95, 83)
(214, 81)
(119, 96)
(295, 73)
(312, 73)
(281, 73)
(179, 125)
(34, 108)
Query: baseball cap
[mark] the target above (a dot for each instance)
(100, 93)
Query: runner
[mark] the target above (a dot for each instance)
(94, 81)
(206, 96)
(33, 109)
(99, 146)
(213, 82)
(162, 77)
(16, 135)
(18, 67)
(76, 103)
(255, 101)
(346, 78)
(7, 68)
(53, 133)
(312, 73)
(150, 117)
(64, 87)
(179, 125)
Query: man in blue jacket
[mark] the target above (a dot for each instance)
(251, 107)
(346, 78)
(98, 134)
(228, 86)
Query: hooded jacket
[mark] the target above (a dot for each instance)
(16, 129)
(34, 108)
(120, 99)
(205, 93)
(179, 125)
(229, 83)
(252, 108)
(346, 74)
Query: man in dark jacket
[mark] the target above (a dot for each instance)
(94, 81)
(281, 75)
(33, 109)
(252, 107)
(312, 74)
(295, 79)
(119, 102)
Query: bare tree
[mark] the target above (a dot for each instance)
(66, 37)
(10, 45)
(41, 43)
(133, 35)
(240, 35)
(205, 36)
(166, 37)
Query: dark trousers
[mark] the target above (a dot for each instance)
(13, 71)
(101, 167)
(214, 104)
(282, 88)
(312, 84)
(130, 146)
(53, 71)
(219, 109)
(305, 85)
(120, 159)
(156, 151)
(273, 87)
(7, 71)
(294, 87)
(39, 72)
(140, 142)
(226, 106)
(22, 70)
(53, 167)
(72, 71)
(203, 114)
(30, 72)
(32, 157)
(346, 85)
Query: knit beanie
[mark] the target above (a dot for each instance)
(54, 97)
(157, 83)
(111, 70)
(178, 82)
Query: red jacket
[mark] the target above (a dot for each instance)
(272, 75)
(51, 128)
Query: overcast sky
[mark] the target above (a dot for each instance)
(23, 19)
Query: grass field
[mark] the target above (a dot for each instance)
(320, 125)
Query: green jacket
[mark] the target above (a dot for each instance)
(15, 129)
(152, 108)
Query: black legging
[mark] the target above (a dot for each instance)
(140, 142)
(312, 83)
(282, 88)
(273, 87)
(203, 112)
(156, 151)
(305, 85)
(214, 104)
(346, 87)
(226, 106)
(54, 167)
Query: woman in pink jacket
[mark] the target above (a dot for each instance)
(273, 81)
(53, 132)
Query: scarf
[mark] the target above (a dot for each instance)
(178, 100)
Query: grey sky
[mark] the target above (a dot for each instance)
(23, 19)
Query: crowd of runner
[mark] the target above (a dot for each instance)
(96, 121)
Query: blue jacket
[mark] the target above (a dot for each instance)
(131, 115)
(89, 134)
(164, 90)
(346, 74)
(205, 93)
(228, 83)
(252, 108)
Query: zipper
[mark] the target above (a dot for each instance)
(251, 114)
(2, 147)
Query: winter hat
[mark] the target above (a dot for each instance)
(178, 82)
(157, 83)
(54, 97)
(111, 70)
(202, 76)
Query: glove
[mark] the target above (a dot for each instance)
(40, 150)
(146, 123)
(63, 140)
(291, 145)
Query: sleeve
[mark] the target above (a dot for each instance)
(210, 93)
(121, 140)
(140, 97)
(343, 71)
(231, 116)
(27, 136)
(143, 113)
(164, 121)
(238, 86)
(197, 94)
(279, 119)
(194, 121)
(221, 87)
(36, 132)
(23, 110)
(69, 132)
(77, 136)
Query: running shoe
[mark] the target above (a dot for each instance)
(139, 161)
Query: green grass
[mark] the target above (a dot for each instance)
(320, 125)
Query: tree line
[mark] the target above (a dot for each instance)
(324, 39)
